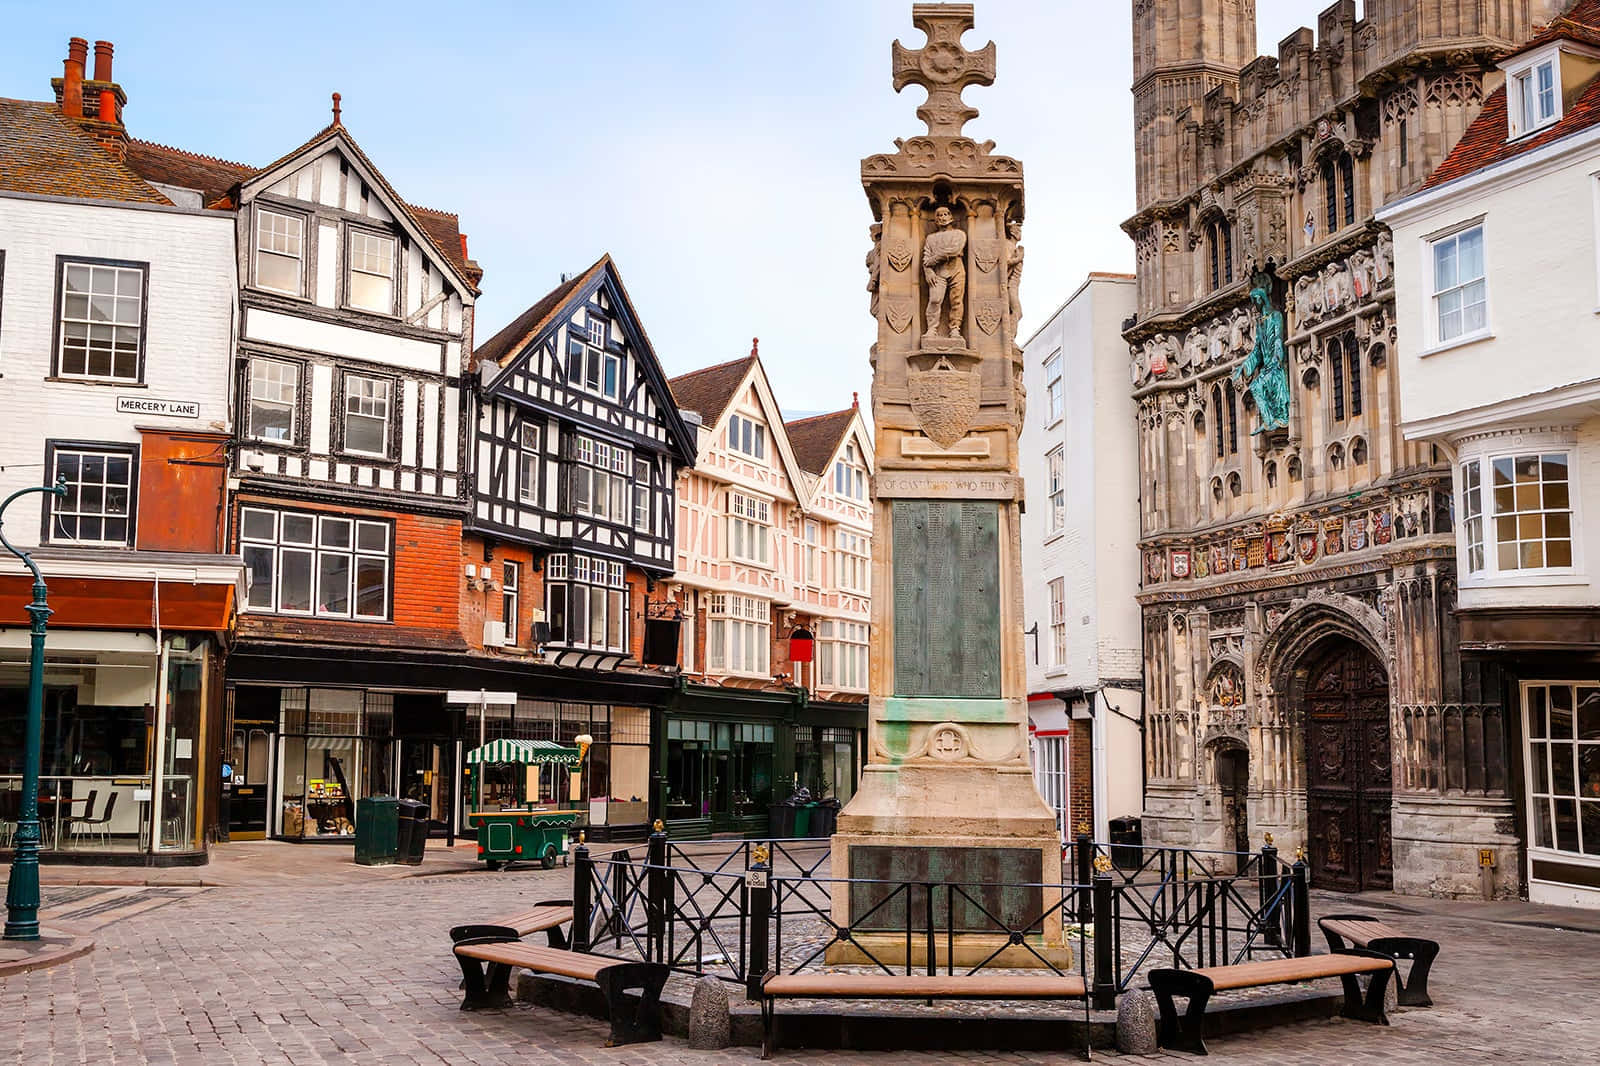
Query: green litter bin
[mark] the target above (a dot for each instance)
(377, 830)
(802, 819)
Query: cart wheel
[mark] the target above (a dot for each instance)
(549, 860)
(493, 864)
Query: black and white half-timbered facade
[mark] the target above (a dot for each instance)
(575, 455)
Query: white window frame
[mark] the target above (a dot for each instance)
(842, 662)
(1052, 774)
(1532, 796)
(292, 239)
(1531, 103)
(738, 635)
(128, 312)
(849, 479)
(1058, 621)
(811, 548)
(603, 471)
(367, 405)
(643, 519)
(1055, 464)
(361, 537)
(71, 507)
(277, 385)
(530, 458)
(1486, 512)
(1054, 401)
(511, 600)
(852, 561)
(750, 529)
(364, 256)
(738, 425)
(1431, 245)
(593, 592)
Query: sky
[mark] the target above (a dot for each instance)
(713, 148)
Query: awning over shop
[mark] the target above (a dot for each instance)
(129, 591)
(524, 751)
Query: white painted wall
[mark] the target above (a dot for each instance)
(1096, 551)
(192, 297)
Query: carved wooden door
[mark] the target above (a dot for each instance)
(1347, 771)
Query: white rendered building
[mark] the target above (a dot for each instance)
(1498, 288)
(1081, 558)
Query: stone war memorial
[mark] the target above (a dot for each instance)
(947, 794)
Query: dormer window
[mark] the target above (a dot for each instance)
(1533, 100)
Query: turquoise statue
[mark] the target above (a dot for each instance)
(1267, 366)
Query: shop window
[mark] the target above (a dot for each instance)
(102, 482)
(325, 565)
(1562, 724)
(719, 768)
(1050, 775)
(336, 746)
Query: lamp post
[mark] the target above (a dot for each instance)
(22, 894)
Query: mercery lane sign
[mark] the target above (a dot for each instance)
(139, 405)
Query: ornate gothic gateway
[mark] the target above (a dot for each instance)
(1297, 580)
(1346, 700)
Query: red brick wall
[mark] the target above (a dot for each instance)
(1080, 781)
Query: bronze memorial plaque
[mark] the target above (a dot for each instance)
(947, 598)
(998, 889)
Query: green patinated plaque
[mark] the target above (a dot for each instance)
(947, 598)
(996, 890)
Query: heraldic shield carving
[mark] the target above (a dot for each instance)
(945, 394)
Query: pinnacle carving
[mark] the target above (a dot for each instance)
(943, 66)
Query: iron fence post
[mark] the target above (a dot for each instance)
(582, 883)
(758, 883)
(1302, 907)
(1271, 924)
(1105, 977)
(1083, 859)
(656, 892)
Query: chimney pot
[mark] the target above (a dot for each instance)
(464, 254)
(102, 61)
(72, 77)
(108, 106)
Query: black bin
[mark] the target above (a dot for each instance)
(780, 825)
(1127, 842)
(825, 818)
(412, 832)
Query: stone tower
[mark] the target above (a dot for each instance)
(947, 793)
(1302, 669)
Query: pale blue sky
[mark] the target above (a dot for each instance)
(713, 148)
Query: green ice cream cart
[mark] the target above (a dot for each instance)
(527, 830)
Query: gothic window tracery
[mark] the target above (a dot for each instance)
(1233, 419)
(1347, 179)
(1355, 376)
(1216, 405)
(1336, 372)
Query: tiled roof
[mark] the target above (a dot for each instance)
(45, 153)
(1484, 144)
(211, 177)
(444, 229)
(708, 392)
(815, 439)
(509, 341)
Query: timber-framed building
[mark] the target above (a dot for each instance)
(1298, 587)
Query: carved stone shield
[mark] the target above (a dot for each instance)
(987, 312)
(900, 252)
(898, 311)
(987, 253)
(945, 401)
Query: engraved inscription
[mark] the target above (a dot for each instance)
(1002, 882)
(946, 598)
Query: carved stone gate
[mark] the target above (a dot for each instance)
(1348, 778)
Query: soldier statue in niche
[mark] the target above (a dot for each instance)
(944, 268)
(1266, 367)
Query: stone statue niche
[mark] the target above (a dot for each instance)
(944, 273)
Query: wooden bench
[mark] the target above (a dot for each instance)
(906, 986)
(487, 962)
(1365, 931)
(1184, 1032)
(547, 917)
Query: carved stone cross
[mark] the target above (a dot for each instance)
(943, 66)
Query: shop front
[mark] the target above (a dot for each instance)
(129, 769)
(725, 755)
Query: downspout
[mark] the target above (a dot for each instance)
(157, 782)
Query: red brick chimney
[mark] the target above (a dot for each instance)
(96, 104)
(70, 92)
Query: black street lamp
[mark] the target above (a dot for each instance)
(22, 894)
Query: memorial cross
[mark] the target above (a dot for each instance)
(943, 66)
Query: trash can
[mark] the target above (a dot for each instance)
(802, 819)
(1127, 842)
(781, 820)
(825, 818)
(377, 830)
(413, 834)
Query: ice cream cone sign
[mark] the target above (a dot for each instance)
(583, 740)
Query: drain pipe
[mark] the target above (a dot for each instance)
(160, 753)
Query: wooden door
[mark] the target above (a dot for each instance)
(1347, 771)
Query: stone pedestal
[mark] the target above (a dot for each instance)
(947, 795)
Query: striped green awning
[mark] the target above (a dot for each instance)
(528, 751)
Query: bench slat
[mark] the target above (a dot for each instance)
(543, 959)
(1284, 971)
(536, 920)
(921, 986)
(1360, 933)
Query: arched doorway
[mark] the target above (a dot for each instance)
(1345, 697)
(1232, 765)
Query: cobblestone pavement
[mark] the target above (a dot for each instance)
(309, 959)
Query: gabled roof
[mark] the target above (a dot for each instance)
(45, 153)
(527, 332)
(1484, 144)
(211, 177)
(708, 392)
(817, 439)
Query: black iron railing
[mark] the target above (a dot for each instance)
(760, 907)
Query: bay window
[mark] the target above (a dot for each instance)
(326, 565)
(1517, 513)
(738, 635)
(586, 602)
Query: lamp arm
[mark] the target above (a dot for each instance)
(59, 489)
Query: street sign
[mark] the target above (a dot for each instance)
(472, 699)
